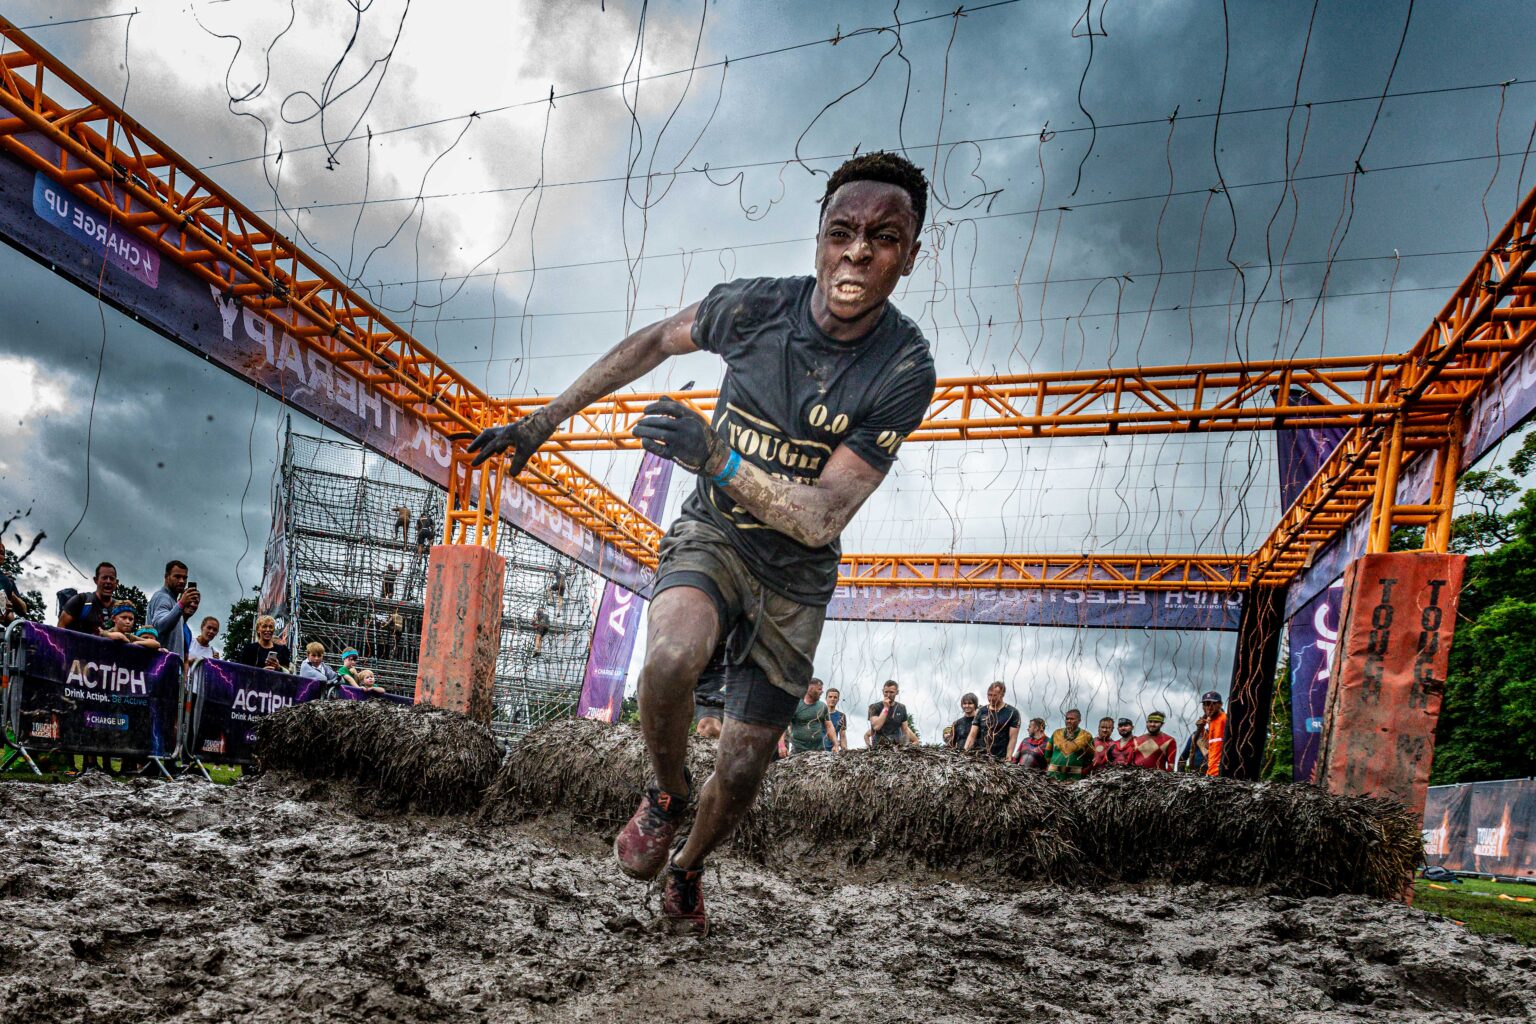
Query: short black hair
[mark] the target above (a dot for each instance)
(174, 563)
(101, 566)
(890, 168)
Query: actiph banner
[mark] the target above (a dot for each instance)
(618, 614)
(44, 221)
(91, 695)
(232, 699)
(1487, 827)
(1313, 628)
(1109, 609)
(1389, 667)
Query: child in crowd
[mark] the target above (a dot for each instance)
(348, 671)
(123, 616)
(366, 682)
(314, 666)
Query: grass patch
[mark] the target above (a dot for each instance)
(1476, 904)
(66, 768)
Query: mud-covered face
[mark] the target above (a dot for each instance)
(1106, 726)
(890, 691)
(1073, 721)
(813, 692)
(995, 696)
(866, 244)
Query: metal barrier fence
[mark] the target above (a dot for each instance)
(79, 694)
(1482, 827)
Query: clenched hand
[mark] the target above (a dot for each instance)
(524, 437)
(673, 431)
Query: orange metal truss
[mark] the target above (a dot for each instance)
(112, 164)
(1398, 407)
(1211, 397)
(1049, 572)
(1486, 325)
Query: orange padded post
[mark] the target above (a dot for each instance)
(1398, 614)
(461, 629)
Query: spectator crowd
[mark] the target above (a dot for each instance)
(168, 622)
(996, 730)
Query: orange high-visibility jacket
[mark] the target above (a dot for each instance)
(1215, 735)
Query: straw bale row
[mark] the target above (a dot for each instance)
(418, 757)
(926, 806)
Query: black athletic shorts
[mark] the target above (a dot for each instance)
(764, 659)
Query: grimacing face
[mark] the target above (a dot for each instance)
(866, 244)
(1074, 720)
(889, 690)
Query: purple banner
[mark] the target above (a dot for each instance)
(618, 615)
(117, 243)
(92, 695)
(1314, 628)
(185, 308)
(1313, 633)
(232, 698)
(1107, 609)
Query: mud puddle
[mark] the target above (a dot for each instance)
(282, 900)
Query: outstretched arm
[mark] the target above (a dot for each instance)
(628, 361)
(812, 513)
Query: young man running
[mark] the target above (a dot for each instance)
(823, 381)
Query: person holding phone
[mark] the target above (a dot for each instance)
(172, 606)
(264, 651)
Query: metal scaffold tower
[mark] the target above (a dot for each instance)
(358, 530)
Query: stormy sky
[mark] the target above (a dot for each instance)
(1114, 184)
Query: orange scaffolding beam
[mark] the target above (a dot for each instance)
(1487, 324)
(60, 125)
(1048, 572)
(1210, 398)
(1397, 407)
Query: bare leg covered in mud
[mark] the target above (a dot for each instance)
(745, 750)
(683, 630)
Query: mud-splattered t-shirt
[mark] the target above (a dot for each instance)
(790, 397)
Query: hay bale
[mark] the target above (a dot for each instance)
(930, 806)
(591, 769)
(1138, 825)
(421, 757)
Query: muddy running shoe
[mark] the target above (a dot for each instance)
(641, 845)
(682, 902)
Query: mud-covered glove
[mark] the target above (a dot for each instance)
(524, 437)
(673, 431)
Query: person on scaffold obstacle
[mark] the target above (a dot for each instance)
(824, 379)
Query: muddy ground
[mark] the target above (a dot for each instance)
(284, 900)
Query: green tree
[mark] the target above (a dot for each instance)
(11, 566)
(134, 596)
(240, 626)
(1279, 753)
(1489, 712)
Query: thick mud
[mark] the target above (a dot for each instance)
(283, 900)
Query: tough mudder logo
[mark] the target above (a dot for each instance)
(765, 444)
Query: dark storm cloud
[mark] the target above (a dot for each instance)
(1010, 71)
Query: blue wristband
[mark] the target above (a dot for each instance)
(728, 473)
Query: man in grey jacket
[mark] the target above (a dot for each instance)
(171, 606)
